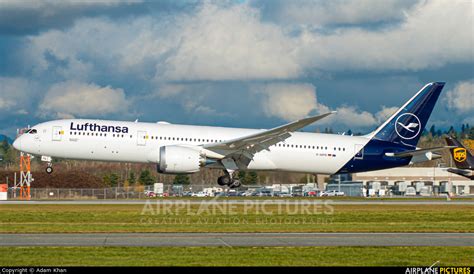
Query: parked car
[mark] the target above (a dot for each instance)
(332, 193)
(232, 194)
(199, 194)
(247, 193)
(263, 192)
(150, 194)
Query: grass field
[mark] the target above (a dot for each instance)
(236, 256)
(237, 218)
(271, 218)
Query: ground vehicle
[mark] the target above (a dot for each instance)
(263, 192)
(332, 193)
(411, 191)
(199, 194)
(150, 194)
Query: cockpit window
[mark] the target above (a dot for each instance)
(32, 131)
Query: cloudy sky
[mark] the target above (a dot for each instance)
(255, 63)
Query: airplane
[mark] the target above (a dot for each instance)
(463, 159)
(184, 149)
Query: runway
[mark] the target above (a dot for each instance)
(239, 239)
(244, 201)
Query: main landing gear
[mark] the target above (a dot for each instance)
(228, 179)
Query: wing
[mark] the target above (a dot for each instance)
(243, 148)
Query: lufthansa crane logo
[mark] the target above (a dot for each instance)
(407, 126)
(459, 154)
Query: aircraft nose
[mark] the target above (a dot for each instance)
(17, 144)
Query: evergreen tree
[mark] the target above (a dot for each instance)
(146, 178)
(111, 179)
(5, 146)
(433, 131)
(132, 178)
(242, 176)
(181, 179)
(252, 178)
(248, 178)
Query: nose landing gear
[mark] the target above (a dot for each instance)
(49, 168)
(49, 160)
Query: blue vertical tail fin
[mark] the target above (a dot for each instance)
(407, 124)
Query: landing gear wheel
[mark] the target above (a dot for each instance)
(49, 169)
(223, 180)
(235, 184)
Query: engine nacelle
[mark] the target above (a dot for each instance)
(180, 159)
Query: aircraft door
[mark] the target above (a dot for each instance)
(359, 152)
(57, 133)
(141, 138)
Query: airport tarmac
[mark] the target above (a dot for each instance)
(239, 239)
(245, 201)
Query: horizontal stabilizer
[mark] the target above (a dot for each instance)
(463, 172)
(411, 153)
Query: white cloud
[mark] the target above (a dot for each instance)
(461, 98)
(287, 101)
(323, 12)
(50, 4)
(93, 45)
(433, 34)
(70, 99)
(230, 43)
(15, 94)
(352, 117)
(385, 113)
(294, 101)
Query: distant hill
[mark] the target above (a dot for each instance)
(3, 137)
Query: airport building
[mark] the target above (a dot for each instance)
(407, 181)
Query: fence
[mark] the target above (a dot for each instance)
(111, 193)
(139, 192)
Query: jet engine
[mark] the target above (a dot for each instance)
(180, 159)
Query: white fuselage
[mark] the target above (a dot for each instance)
(140, 143)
